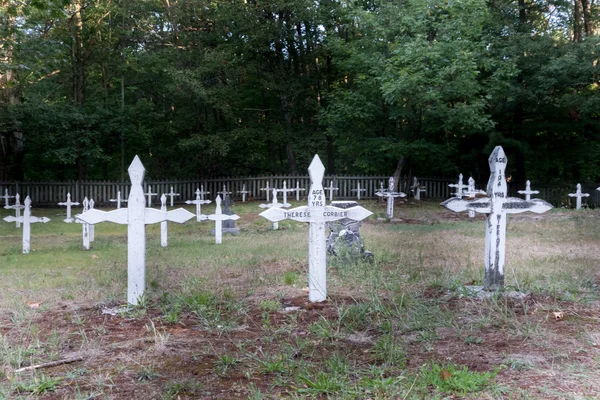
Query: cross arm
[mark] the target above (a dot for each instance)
(10, 218)
(179, 215)
(514, 205)
(457, 205)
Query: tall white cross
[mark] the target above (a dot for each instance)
(136, 216)
(285, 191)
(68, 203)
(219, 217)
(317, 213)
(416, 188)
(496, 206)
(528, 192)
(578, 195)
(331, 188)
(390, 195)
(198, 202)
(358, 190)
(92, 227)
(163, 224)
(267, 190)
(27, 219)
(6, 197)
(149, 195)
(244, 192)
(171, 194)
(17, 207)
(298, 190)
(118, 200)
(85, 227)
(460, 187)
(277, 205)
(201, 192)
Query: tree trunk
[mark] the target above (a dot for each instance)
(577, 18)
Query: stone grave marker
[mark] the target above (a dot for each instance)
(528, 192)
(171, 194)
(298, 190)
(331, 189)
(578, 195)
(344, 238)
(85, 227)
(317, 214)
(276, 205)
(460, 187)
(17, 207)
(6, 197)
(118, 200)
(136, 216)
(219, 217)
(149, 195)
(390, 195)
(358, 190)
(244, 192)
(198, 202)
(68, 204)
(27, 219)
(496, 206)
(267, 190)
(416, 188)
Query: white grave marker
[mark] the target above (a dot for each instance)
(224, 192)
(285, 191)
(68, 203)
(416, 188)
(276, 205)
(92, 227)
(496, 206)
(163, 224)
(27, 220)
(244, 192)
(6, 197)
(331, 188)
(298, 190)
(171, 194)
(358, 190)
(136, 216)
(390, 195)
(268, 191)
(528, 192)
(579, 195)
(149, 195)
(198, 202)
(460, 187)
(17, 207)
(201, 192)
(118, 200)
(85, 228)
(219, 217)
(317, 213)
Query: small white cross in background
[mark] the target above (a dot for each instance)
(27, 219)
(578, 195)
(171, 194)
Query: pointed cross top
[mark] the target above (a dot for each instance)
(316, 170)
(218, 203)
(391, 184)
(497, 184)
(198, 193)
(136, 171)
(27, 201)
(472, 181)
(163, 199)
(497, 158)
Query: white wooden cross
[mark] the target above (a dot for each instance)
(390, 195)
(171, 194)
(528, 192)
(244, 192)
(471, 192)
(358, 190)
(298, 190)
(69, 203)
(6, 197)
(118, 200)
(85, 227)
(316, 213)
(136, 216)
(277, 205)
(496, 206)
(198, 202)
(149, 194)
(416, 188)
(201, 192)
(92, 227)
(460, 187)
(224, 192)
(27, 220)
(579, 195)
(268, 191)
(331, 188)
(285, 191)
(219, 217)
(17, 207)
(163, 224)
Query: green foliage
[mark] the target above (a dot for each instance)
(456, 379)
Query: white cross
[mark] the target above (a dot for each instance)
(317, 213)
(268, 190)
(92, 227)
(85, 228)
(298, 190)
(244, 192)
(17, 207)
(277, 205)
(6, 197)
(224, 192)
(136, 216)
(171, 195)
(118, 200)
(579, 195)
(27, 220)
(358, 190)
(163, 224)
(219, 217)
(472, 193)
(416, 188)
(68, 203)
(198, 202)
(331, 188)
(496, 206)
(528, 192)
(285, 191)
(460, 187)
(390, 195)
(201, 192)
(149, 195)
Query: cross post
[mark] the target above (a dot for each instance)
(267, 190)
(92, 227)
(298, 190)
(69, 203)
(390, 195)
(171, 194)
(85, 227)
(198, 202)
(149, 194)
(6, 197)
(244, 192)
(219, 217)
(27, 219)
(163, 224)
(528, 192)
(118, 200)
(285, 191)
(358, 190)
(578, 195)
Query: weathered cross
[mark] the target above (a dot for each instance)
(27, 220)
(201, 192)
(472, 193)
(460, 187)
(6, 197)
(316, 213)
(416, 188)
(267, 190)
(358, 190)
(298, 190)
(171, 194)
(224, 192)
(118, 200)
(136, 216)
(85, 227)
(244, 192)
(390, 195)
(579, 195)
(528, 192)
(219, 217)
(331, 188)
(276, 205)
(69, 203)
(92, 227)
(496, 206)
(17, 207)
(285, 191)
(198, 202)
(149, 194)
(163, 224)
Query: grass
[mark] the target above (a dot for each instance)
(217, 321)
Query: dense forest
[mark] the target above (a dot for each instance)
(203, 88)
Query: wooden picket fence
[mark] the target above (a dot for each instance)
(51, 193)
